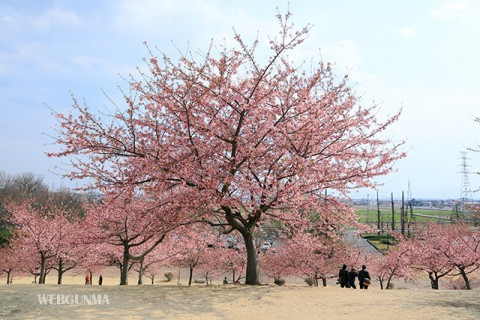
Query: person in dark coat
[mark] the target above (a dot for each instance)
(362, 275)
(100, 280)
(343, 277)
(351, 278)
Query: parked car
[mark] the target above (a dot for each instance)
(231, 241)
(265, 246)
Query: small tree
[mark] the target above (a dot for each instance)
(427, 254)
(136, 223)
(196, 245)
(461, 247)
(392, 264)
(44, 230)
(234, 260)
(161, 255)
(9, 261)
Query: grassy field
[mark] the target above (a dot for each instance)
(384, 240)
(420, 215)
(381, 241)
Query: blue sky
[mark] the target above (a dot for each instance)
(422, 55)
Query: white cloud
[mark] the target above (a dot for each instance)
(43, 21)
(55, 17)
(453, 10)
(84, 61)
(148, 16)
(407, 32)
(345, 53)
(7, 19)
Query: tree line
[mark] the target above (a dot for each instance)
(212, 145)
(50, 233)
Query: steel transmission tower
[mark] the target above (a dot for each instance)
(466, 194)
(409, 194)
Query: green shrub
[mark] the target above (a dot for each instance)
(169, 276)
(309, 281)
(279, 282)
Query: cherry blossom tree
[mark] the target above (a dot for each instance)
(234, 260)
(198, 249)
(46, 230)
(18, 258)
(461, 247)
(104, 254)
(310, 255)
(441, 250)
(278, 263)
(211, 263)
(135, 223)
(158, 259)
(27, 259)
(9, 262)
(393, 264)
(161, 255)
(428, 253)
(244, 138)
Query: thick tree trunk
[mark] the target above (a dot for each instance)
(190, 277)
(315, 280)
(324, 281)
(140, 273)
(60, 272)
(9, 279)
(252, 276)
(465, 278)
(124, 269)
(389, 280)
(42, 275)
(433, 280)
(153, 278)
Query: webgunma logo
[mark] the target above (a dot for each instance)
(61, 299)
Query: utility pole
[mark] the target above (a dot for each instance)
(403, 216)
(378, 215)
(393, 214)
(368, 209)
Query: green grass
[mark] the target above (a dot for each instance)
(370, 216)
(381, 241)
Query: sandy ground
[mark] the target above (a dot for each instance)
(167, 300)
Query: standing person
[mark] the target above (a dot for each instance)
(343, 277)
(351, 278)
(362, 275)
(100, 280)
(87, 279)
(225, 281)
